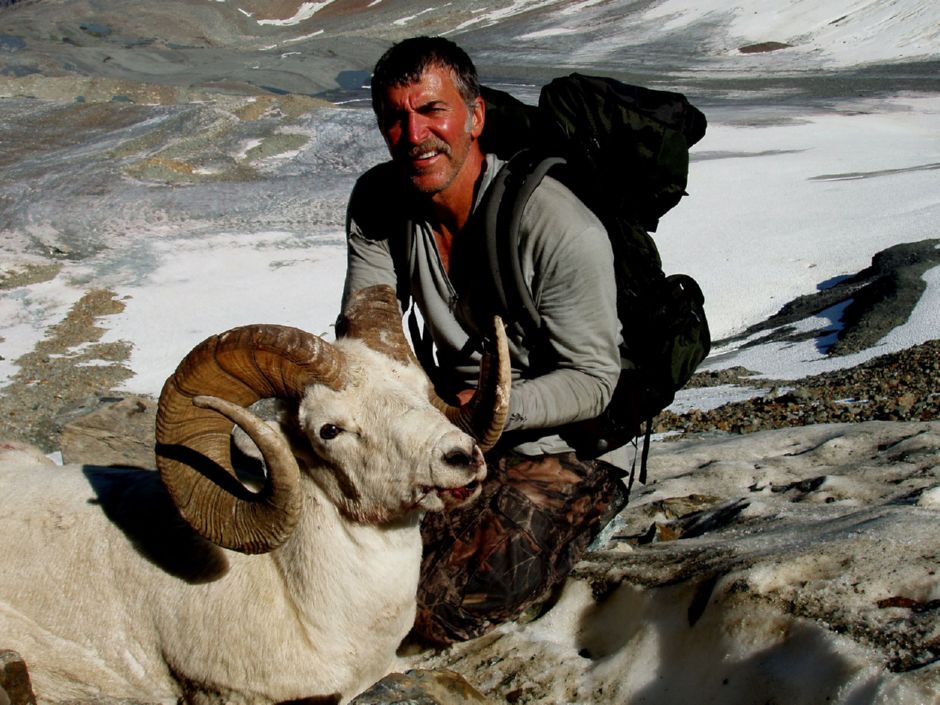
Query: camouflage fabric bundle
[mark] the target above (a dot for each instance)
(488, 562)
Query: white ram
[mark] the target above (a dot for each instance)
(106, 592)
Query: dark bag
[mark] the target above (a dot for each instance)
(624, 151)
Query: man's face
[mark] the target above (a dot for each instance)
(430, 130)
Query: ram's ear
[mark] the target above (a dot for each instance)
(373, 316)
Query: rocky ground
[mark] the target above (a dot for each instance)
(903, 386)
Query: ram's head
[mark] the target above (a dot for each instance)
(373, 435)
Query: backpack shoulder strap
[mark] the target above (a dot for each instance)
(506, 200)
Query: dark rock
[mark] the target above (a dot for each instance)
(763, 47)
(96, 30)
(15, 688)
(893, 285)
(864, 307)
(421, 687)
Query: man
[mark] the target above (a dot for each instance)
(414, 223)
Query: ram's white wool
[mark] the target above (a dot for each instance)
(107, 593)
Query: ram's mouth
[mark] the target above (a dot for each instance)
(453, 496)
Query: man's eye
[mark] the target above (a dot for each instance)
(328, 431)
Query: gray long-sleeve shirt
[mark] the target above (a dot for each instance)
(568, 375)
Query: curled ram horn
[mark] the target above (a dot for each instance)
(210, 390)
(372, 315)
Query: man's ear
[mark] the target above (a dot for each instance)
(478, 117)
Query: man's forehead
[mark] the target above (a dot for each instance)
(434, 81)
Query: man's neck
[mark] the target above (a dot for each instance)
(449, 210)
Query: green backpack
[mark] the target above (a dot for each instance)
(624, 151)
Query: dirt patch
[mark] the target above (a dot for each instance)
(66, 367)
(29, 274)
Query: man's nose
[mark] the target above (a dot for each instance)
(416, 128)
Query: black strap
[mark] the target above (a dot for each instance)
(494, 198)
(401, 249)
(646, 449)
(644, 455)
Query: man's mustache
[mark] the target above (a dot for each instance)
(429, 145)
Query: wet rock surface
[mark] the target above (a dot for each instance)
(744, 560)
(422, 687)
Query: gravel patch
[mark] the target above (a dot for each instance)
(902, 386)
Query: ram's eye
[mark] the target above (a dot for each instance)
(328, 431)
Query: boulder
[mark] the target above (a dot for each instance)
(117, 431)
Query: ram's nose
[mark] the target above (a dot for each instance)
(467, 457)
(469, 467)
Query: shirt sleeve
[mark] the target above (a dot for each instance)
(370, 227)
(567, 259)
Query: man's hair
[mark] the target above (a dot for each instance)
(406, 61)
